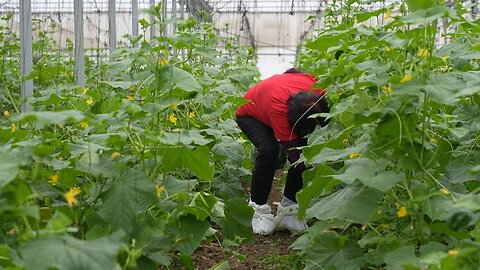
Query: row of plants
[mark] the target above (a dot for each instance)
(404, 138)
(134, 170)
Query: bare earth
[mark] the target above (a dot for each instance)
(265, 252)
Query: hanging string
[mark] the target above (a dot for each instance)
(292, 12)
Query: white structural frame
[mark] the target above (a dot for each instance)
(79, 44)
(26, 52)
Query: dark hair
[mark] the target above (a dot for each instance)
(293, 71)
(303, 104)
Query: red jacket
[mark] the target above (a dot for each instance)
(268, 101)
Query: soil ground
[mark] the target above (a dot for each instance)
(265, 252)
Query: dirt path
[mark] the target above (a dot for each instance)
(265, 252)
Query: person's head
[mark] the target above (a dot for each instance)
(303, 104)
(293, 71)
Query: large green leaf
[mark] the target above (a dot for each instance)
(238, 219)
(10, 161)
(44, 118)
(370, 173)
(329, 154)
(198, 162)
(401, 257)
(356, 203)
(425, 15)
(192, 232)
(314, 182)
(66, 252)
(202, 205)
(414, 5)
(130, 194)
(324, 42)
(328, 250)
(176, 81)
(185, 137)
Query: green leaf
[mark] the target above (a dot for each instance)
(176, 81)
(314, 183)
(328, 250)
(44, 118)
(173, 185)
(198, 162)
(122, 85)
(66, 252)
(399, 258)
(358, 169)
(329, 154)
(414, 5)
(425, 16)
(384, 181)
(356, 203)
(192, 232)
(229, 149)
(10, 160)
(324, 42)
(238, 219)
(202, 205)
(130, 194)
(365, 15)
(185, 137)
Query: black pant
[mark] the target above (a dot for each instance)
(264, 140)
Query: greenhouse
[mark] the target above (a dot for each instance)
(246, 134)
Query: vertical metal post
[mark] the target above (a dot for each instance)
(26, 51)
(152, 19)
(135, 19)
(182, 9)
(174, 26)
(182, 15)
(164, 16)
(79, 44)
(112, 26)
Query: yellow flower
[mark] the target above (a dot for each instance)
(388, 15)
(191, 115)
(130, 98)
(402, 212)
(387, 89)
(173, 106)
(173, 118)
(345, 141)
(164, 61)
(354, 155)
(177, 130)
(406, 78)
(423, 52)
(53, 179)
(434, 141)
(85, 90)
(6, 114)
(445, 58)
(13, 129)
(84, 124)
(89, 102)
(159, 189)
(388, 48)
(115, 155)
(444, 191)
(71, 194)
(453, 252)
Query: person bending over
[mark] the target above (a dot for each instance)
(277, 113)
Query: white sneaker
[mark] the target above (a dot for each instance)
(287, 219)
(262, 220)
